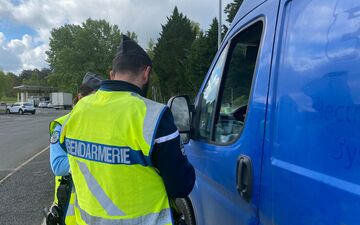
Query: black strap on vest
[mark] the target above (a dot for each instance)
(57, 213)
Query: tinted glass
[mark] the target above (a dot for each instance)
(237, 85)
(209, 96)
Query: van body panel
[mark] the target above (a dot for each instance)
(215, 197)
(311, 159)
(302, 127)
(245, 8)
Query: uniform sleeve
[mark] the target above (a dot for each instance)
(58, 157)
(169, 158)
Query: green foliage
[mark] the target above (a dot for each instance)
(75, 49)
(34, 77)
(154, 91)
(196, 28)
(2, 84)
(7, 82)
(12, 81)
(199, 58)
(231, 9)
(181, 56)
(132, 35)
(171, 51)
(184, 52)
(150, 49)
(6, 99)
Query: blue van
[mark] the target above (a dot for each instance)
(274, 133)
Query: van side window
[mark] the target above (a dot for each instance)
(209, 96)
(236, 84)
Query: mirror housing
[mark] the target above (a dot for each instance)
(179, 106)
(182, 113)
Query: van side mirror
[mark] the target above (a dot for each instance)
(179, 106)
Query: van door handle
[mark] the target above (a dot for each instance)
(244, 177)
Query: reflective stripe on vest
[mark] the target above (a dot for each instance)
(149, 128)
(70, 212)
(161, 218)
(97, 191)
(109, 139)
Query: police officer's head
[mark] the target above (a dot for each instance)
(91, 83)
(131, 64)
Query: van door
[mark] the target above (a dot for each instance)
(229, 123)
(312, 156)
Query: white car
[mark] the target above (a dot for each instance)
(21, 108)
(43, 104)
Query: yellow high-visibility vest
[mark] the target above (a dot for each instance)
(109, 138)
(70, 214)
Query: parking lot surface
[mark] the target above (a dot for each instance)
(25, 157)
(22, 136)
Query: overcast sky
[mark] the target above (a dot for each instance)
(25, 25)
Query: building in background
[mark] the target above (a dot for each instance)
(34, 94)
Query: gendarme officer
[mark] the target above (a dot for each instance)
(124, 149)
(62, 209)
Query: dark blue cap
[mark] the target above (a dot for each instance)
(129, 47)
(92, 80)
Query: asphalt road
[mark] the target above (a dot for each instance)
(25, 157)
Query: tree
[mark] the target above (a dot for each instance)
(132, 35)
(231, 10)
(199, 58)
(7, 82)
(11, 81)
(154, 91)
(25, 75)
(75, 49)
(2, 84)
(170, 53)
(150, 48)
(31, 77)
(35, 77)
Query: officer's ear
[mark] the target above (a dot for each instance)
(146, 74)
(111, 75)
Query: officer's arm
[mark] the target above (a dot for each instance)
(58, 157)
(174, 168)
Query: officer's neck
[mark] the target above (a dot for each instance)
(129, 78)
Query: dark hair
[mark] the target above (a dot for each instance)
(130, 63)
(85, 90)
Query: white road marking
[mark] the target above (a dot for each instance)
(23, 164)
